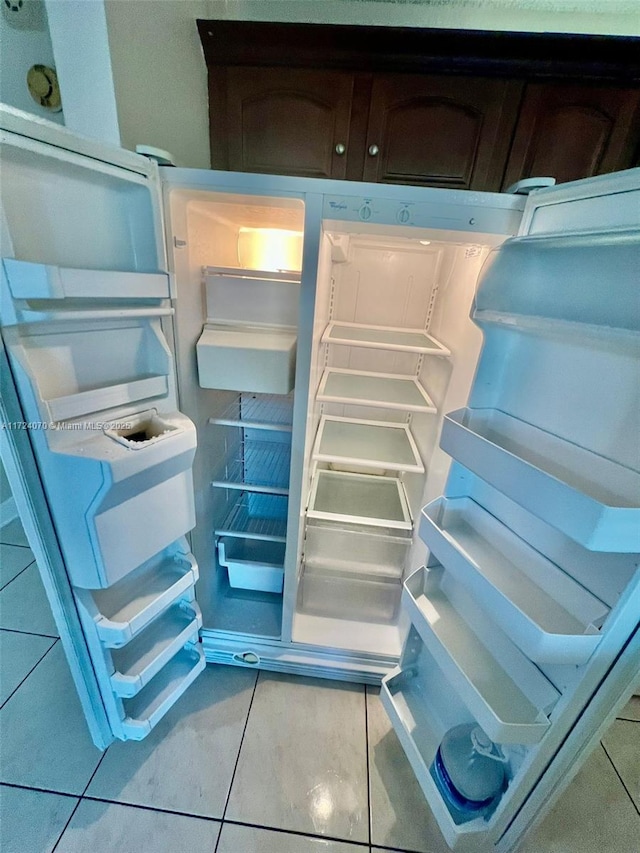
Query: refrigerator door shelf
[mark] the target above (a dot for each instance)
(542, 609)
(243, 358)
(145, 710)
(381, 390)
(591, 499)
(125, 609)
(136, 663)
(340, 496)
(504, 691)
(369, 551)
(376, 445)
(383, 337)
(253, 564)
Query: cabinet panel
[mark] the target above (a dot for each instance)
(572, 132)
(440, 131)
(288, 121)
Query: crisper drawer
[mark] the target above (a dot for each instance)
(343, 595)
(356, 549)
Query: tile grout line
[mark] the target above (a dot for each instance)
(235, 766)
(366, 735)
(80, 798)
(31, 633)
(39, 661)
(615, 770)
(364, 844)
(15, 577)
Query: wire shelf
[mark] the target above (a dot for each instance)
(261, 466)
(257, 516)
(257, 411)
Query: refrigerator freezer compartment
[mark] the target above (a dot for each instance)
(123, 610)
(374, 444)
(45, 281)
(136, 663)
(252, 563)
(420, 732)
(147, 708)
(381, 390)
(260, 466)
(383, 337)
(543, 610)
(256, 516)
(341, 496)
(243, 358)
(272, 412)
(504, 691)
(326, 592)
(350, 548)
(593, 500)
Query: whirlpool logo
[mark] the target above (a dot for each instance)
(338, 205)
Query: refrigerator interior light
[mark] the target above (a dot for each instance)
(273, 249)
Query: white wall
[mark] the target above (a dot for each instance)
(606, 17)
(24, 36)
(160, 76)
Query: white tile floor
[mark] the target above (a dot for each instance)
(246, 762)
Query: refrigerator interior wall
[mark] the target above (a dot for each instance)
(84, 301)
(533, 551)
(375, 393)
(237, 265)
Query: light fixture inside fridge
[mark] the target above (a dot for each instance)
(273, 249)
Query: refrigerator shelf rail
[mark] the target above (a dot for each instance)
(371, 444)
(342, 496)
(590, 498)
(261, 466)
(379, 390)
(547, 614)
(141, 659)
(383, 337)
(503, 690)
(145, 710)
(256, 516)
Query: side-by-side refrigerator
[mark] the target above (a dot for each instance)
(382, 434)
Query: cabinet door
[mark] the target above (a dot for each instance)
(572, 132)
(288, 121)
(449, 132)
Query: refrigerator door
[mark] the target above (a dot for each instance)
(97, 454)
(530, 593)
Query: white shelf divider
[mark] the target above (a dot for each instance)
(383, 337)
(373, 444)
(591, 499)
(381, 390)
(551, 617)
(503, 690)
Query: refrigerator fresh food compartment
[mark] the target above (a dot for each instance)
(256, 516)
(32, 281)
(373, 444)
(546, 613)
(348, 595)
(590, 498)
(252, 563)
(258, 465)
(370, 551)
(242, 296)
(243, 358)
(145, 710)
(378, 390)
(123, 610)
(383, 337)
(504, 691)
(140, 660)
(341, 496)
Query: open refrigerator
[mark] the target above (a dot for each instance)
(371, 433)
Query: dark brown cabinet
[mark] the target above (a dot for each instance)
(571, 132)
(286, 121)
(440, 131)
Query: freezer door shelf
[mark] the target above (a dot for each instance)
(253, 564)
(340, 496)
(377, 445)
(504, 691)
(420, 733)
(542, 609)
(383, 337)
(148, 707)
(381, 390)
(141, 659)
(591, 499)
(122, 611)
